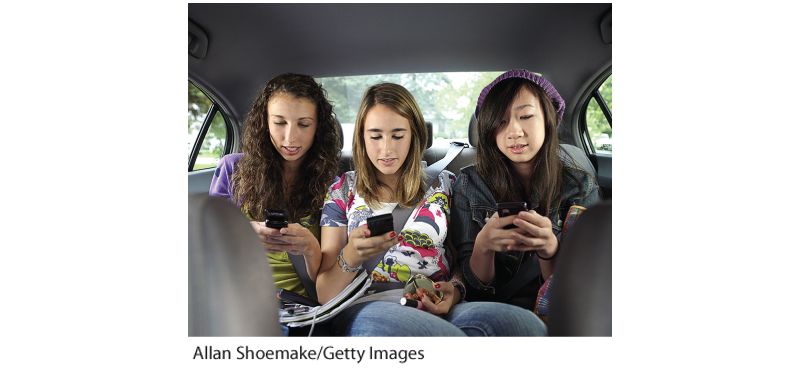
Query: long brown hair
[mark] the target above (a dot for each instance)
(546, 180)
(411, 188)
(258, 180)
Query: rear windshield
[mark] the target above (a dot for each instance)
(447, 100)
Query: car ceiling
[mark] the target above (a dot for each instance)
(248, 44)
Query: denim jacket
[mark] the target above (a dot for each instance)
(473, 202)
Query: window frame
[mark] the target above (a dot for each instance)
(215, 108)
(583, 131)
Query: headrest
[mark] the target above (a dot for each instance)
(430, 134)
(473, 131)
(339, 129)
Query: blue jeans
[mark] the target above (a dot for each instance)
(381, 318)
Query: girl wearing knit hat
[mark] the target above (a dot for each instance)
(518, 160)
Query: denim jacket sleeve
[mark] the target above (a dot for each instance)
(580, 189)
(473, 202)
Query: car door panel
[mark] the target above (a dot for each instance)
(602, 162)
(200, 181)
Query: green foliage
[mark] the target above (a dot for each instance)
(446, 107)
(596, 121)
(605, 91)
(199, 105)
(214, 141)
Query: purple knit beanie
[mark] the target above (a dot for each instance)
(539, 80)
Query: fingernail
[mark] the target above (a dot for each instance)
(436, 285)
(516, 222)
(393, 234)
(400, 238)
(522, 214)
(365, 233)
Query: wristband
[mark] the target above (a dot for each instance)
(345, 267)
(458, 284)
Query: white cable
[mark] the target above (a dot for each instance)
(313, 321)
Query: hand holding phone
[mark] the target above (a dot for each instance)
(380, 224)
(276, 219)
(511, 209)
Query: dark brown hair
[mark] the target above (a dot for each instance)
(495, 168)
(410, 189)
(258, 180)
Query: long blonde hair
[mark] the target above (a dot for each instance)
(410, 189)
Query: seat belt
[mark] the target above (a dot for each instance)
(401, 214)
(299, 264)
(529, 270)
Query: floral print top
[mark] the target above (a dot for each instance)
(423, 249)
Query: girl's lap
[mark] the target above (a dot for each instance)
(382, 318)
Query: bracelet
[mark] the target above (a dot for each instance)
(345, 267)
(558, 247)
(458, 284)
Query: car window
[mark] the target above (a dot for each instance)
(447, 100)
(204, 115)
(598, 118)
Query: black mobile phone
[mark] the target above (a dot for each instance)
(276, 219)
(380, 224)
(290, 297)
(511, 209)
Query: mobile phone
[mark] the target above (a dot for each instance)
(380, 224)
(276, 219)
(420, 281)
(510, 209)
(290, 297)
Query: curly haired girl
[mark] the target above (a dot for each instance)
(290, 155)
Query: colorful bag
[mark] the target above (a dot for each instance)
(543, 297)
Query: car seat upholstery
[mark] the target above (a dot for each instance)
(429, 128)
(431, 155)
(580, 304)
(579, 158)
(231, 290)
(339, 130)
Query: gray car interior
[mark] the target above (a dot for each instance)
(235, 48)
(584, 308)
(227, 273)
